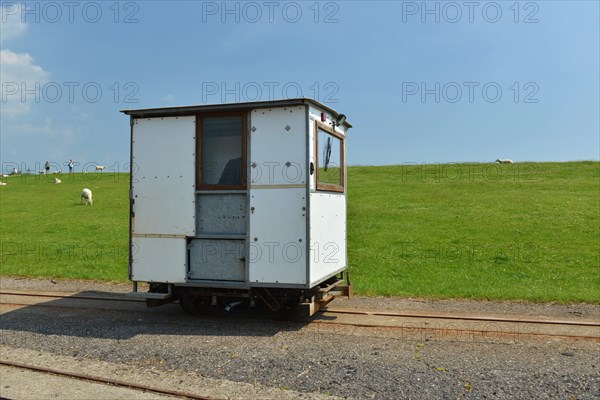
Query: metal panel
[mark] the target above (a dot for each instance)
(158, 259)
(222, 260)
(163, 180)
(222, 213)
(278, 146)
(327, 235)
(277, 249)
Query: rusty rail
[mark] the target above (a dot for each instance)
(462, 317)
(509, 326)
(112, 382)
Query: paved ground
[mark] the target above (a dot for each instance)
(230, 357)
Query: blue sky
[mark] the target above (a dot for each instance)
(420, 81)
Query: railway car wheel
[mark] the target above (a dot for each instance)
(194, 305)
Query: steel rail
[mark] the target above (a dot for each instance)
(112, 382)
(474, 332)
(462, 317)
(66, 296)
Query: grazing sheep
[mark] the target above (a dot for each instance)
(57, 181)
(100, 168)
(87, 195)
(504, 161)
(3, 183)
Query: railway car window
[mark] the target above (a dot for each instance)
(329, 159)
(222, 152)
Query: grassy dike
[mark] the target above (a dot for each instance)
(526, 231)
(483, 231)
(46, 232)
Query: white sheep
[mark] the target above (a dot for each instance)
(100, 168)
(3, 183)
(87, 195)
(504, 161)
(57, 181)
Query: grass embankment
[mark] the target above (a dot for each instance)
(45, 232)
(484, 231)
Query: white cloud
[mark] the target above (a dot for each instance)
(19, 67)
(11, 24)
(29, 132)
(17, 72)
(169, 98)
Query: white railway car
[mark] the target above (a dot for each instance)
(239, 203)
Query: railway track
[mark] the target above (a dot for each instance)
(13, 300)
(466, 326)
(61, 295)
(107, 381)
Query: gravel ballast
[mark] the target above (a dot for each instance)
(307, 359)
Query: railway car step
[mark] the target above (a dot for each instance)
(152, 296)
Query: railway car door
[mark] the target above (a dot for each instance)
(162, 195)
(278, 196)
(218, 250)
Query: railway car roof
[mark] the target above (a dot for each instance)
(188, 110)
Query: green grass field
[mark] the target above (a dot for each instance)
(528, 231)
(483, 231)
(44, 231)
